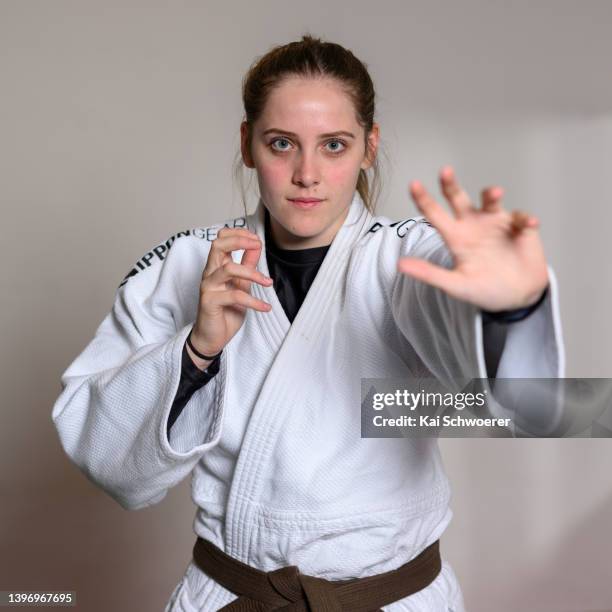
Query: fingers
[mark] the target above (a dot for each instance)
(491, 199)
(250, 257)
(228, 240)
(235, 297)
(242, 276)
(228, 283)
(521, 220)
(430, 209)
(458, 198)
(425, 271)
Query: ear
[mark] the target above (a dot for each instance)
(372, 147)
(246, 155)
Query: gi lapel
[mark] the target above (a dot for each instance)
(275, 324)
(290, 342)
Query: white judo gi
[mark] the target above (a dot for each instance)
(280, 474)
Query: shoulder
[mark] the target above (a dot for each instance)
(398, 236)
(182, 247)
(386, 240)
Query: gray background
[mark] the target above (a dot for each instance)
(119, 123)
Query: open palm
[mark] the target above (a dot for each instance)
(499, 261)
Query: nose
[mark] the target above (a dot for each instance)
(306, 172)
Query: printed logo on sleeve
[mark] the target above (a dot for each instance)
(159, 252)
(401, 227)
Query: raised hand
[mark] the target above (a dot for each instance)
(498, 256)
(225, 291)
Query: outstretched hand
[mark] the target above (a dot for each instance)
(499, 261)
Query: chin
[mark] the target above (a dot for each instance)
(306, 228)
(305, 232)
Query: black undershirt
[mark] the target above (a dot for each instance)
(293, 272)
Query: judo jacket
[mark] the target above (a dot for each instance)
(293, 271)
(279, 472)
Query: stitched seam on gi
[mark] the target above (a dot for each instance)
(438, 496)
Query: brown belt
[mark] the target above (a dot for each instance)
(287, 590)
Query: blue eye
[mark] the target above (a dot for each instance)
(337, 142)
(277, 140)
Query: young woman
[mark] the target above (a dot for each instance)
(236, 351)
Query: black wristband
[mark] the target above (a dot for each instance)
(192, 373)
(201, 355)
(512, 316)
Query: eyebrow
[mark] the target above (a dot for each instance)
(328, 135)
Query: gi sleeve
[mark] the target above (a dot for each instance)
(112, 414)
(447, 334)
(192, 379)
(495, 328)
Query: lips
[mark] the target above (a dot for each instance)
(305, 203)
(306, 200)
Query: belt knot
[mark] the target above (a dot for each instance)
(308, 592)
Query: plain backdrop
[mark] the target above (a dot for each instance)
(119, 123)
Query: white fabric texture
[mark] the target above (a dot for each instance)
(280, 474)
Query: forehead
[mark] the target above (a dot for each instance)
(309, 103)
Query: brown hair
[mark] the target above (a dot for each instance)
(312, 57)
